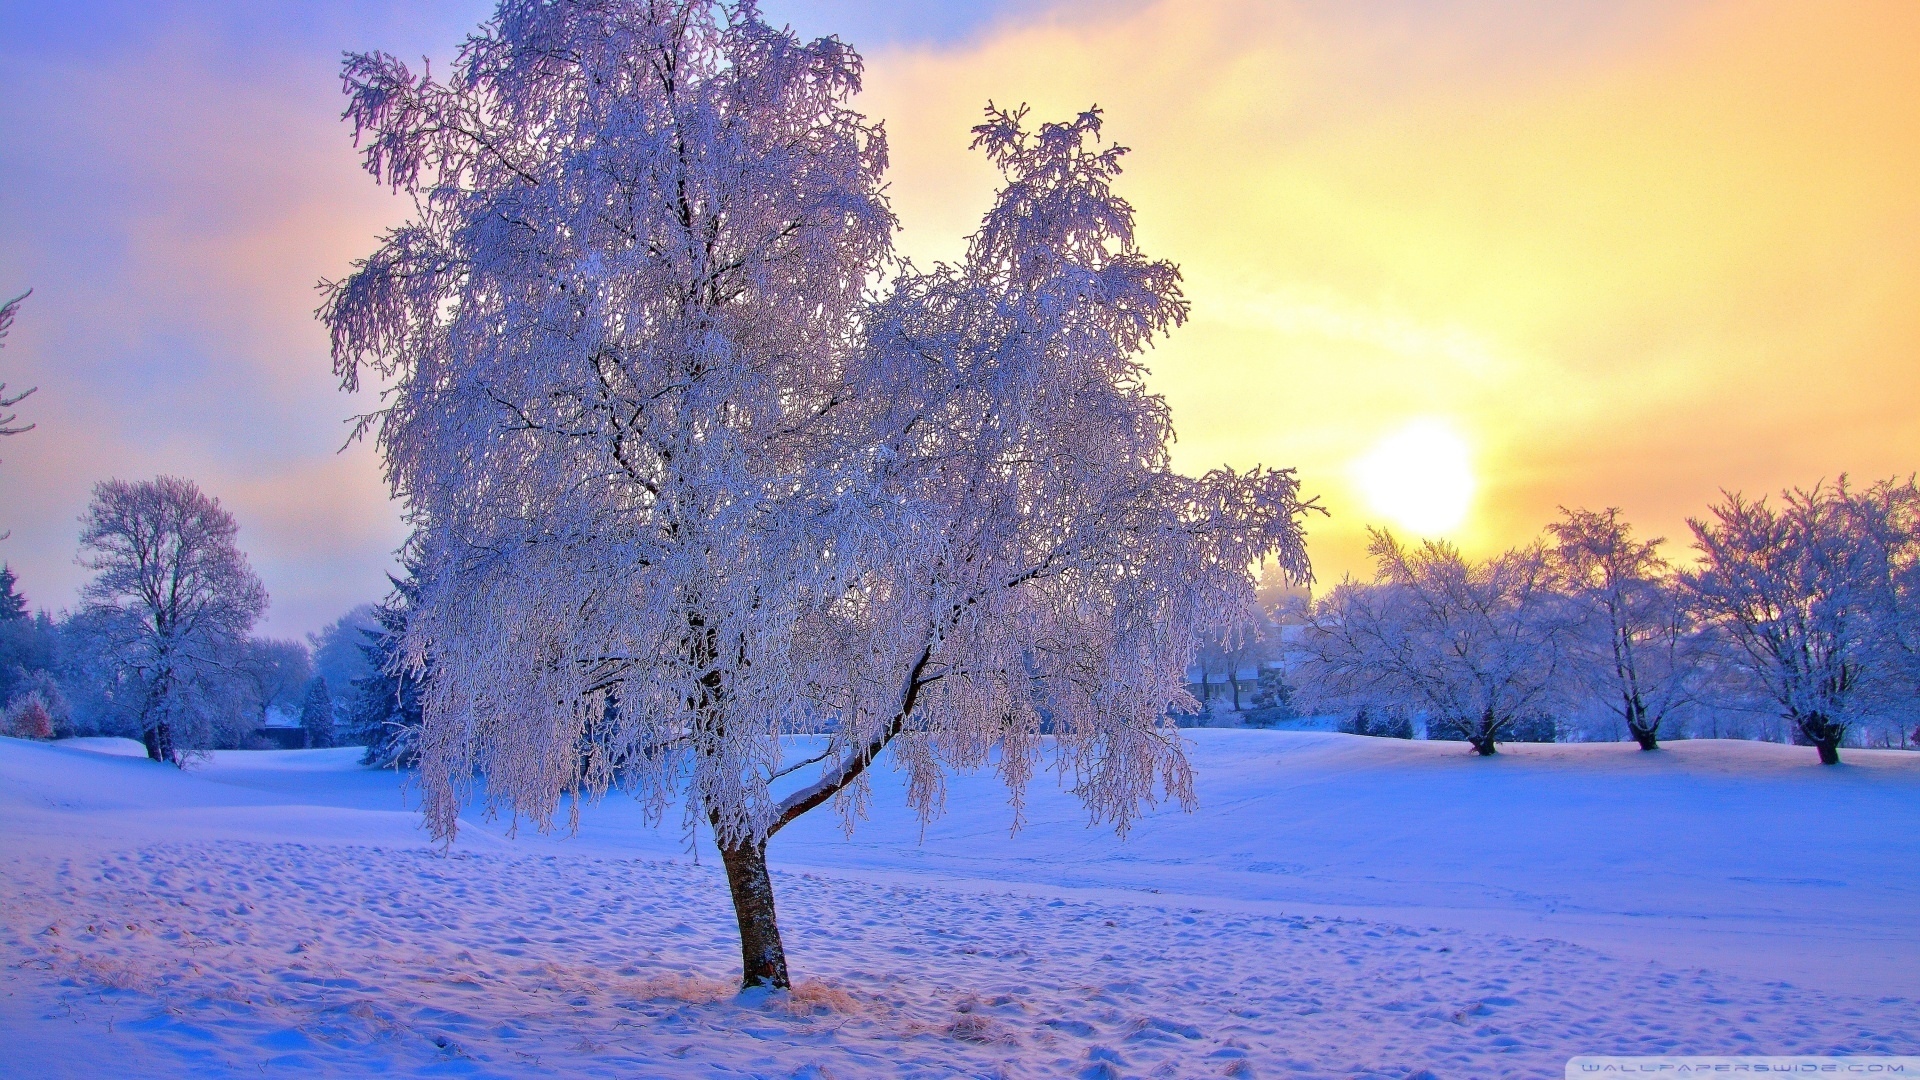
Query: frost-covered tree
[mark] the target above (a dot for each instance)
(1633, 646)
(338, 648)
(1474, 646)
(1888, 516)
(316, 713)
(1801, 588)
(682, 484)
(275, 673)
(1233, 649)
(168, 611)
(27, 645)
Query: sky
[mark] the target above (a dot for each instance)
(1460, 264)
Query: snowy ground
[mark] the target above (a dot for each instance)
(1338, 907)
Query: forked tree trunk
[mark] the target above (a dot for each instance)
(1824, 735)
(763, 959)
(159, 742)
(1646, 737)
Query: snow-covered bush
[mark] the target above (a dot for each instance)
(29, 717)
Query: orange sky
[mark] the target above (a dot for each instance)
(1628, 251)
(1631, 254)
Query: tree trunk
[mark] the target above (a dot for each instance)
(1482, 736)
(763, 959)
(1824, 735)
(1647, 735)
(159, 743)
(1233, 676)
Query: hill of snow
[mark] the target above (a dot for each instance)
(1336, 907)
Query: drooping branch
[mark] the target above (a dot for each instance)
(855, 763)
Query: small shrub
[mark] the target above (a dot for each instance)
(29, 718)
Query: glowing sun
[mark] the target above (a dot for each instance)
(1419, 477)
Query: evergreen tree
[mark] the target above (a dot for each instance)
(13, 606)
(385, 714)
(316, 714)
(1272, 700)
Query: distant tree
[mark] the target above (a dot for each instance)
(168, 611)
(1888, 516)
(1273, 699)
(1800, 588)
(1285, 602)
(26, 641)
(28, 648)
(1472, 645)
(1534, 727)
(337, 649)
(1634, 645)
(276, 673)
(668, 450)
(13, 606)
(1230, 649)
(316, 713)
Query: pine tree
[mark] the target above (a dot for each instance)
(385, 714)
(316, 714)
(13, 606)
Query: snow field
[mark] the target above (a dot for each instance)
(263, 916)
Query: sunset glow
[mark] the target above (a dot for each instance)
(1419, 478)
(1634, 252)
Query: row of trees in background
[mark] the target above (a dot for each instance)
(162, 649)
(1806, 608)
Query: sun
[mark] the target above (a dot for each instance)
(1420, 477)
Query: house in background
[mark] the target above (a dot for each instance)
(282, 730)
